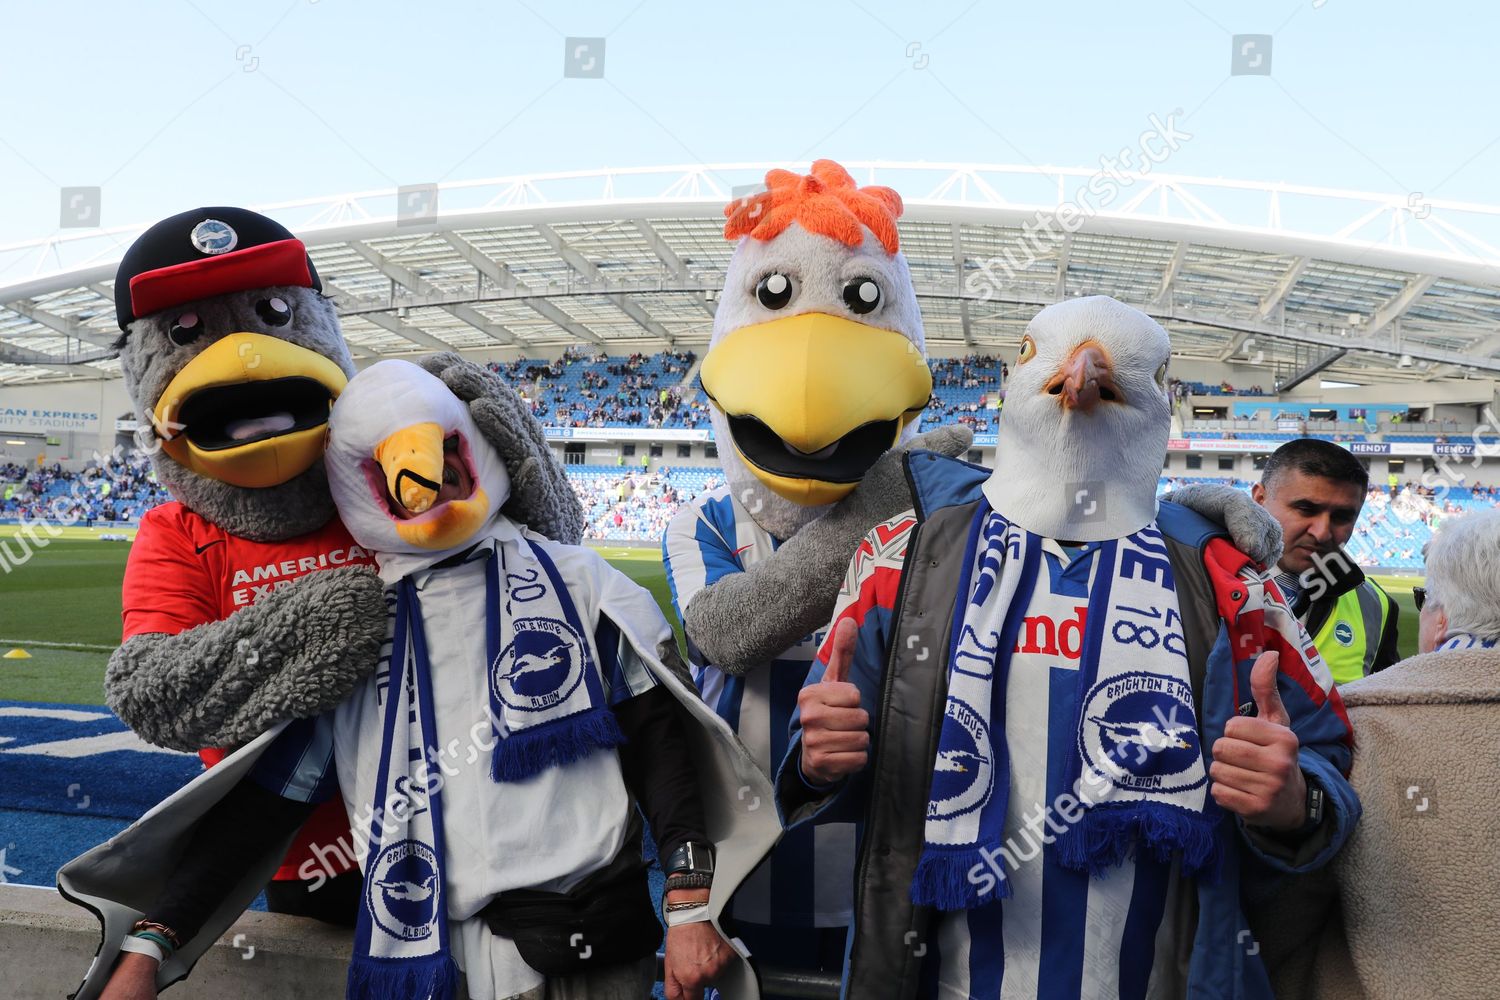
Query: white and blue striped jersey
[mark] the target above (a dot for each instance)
(809, 879)
(1060, 934)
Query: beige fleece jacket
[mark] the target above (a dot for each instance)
(1411, 906)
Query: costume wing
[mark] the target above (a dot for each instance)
(121, 877)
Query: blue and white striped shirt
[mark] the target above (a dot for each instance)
(808, 882)
(1060, 934)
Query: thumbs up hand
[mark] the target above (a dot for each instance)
(835, 730)
(1255, 773)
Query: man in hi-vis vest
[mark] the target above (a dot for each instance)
(1316, 490)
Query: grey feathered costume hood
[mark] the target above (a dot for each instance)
(232, 357)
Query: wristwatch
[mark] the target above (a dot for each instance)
(690, 858)
(1314, 807)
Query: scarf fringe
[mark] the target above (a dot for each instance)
(528, 752)
(942, 880)
(1106, 834)
(431, 977)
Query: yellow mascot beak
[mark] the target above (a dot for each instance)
(415, 463)
(412, 460)
(250, 410)
(813, 400)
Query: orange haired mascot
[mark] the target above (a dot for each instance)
(818, 377)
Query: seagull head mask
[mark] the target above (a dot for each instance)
(1085, 424)
(413, 478)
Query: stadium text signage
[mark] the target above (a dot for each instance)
(1218, 444)
(1369, 447)
(629, 434)
(23, 418)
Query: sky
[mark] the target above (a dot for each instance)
(172, 104)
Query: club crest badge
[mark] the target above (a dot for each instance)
(1139, 730)
(963, 777)
(541, 668)
(403, 891)
(212, 236)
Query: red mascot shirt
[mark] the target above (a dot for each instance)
(184, 571)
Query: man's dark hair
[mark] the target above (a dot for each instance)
(1315, 457)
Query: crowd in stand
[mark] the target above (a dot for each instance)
(119, 489)
(971, 384)
(639, 390)
(634, 506)
(972, 372)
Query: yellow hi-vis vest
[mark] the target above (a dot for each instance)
(1350, 639)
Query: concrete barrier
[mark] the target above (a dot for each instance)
(46, 944)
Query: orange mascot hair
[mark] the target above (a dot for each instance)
(825, 202)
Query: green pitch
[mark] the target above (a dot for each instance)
(62, 605)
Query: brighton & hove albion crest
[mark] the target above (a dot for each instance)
(212, 236)
(1344, 633)
(963, 776)
(403, 891)
(1139, 730)
(541, 667)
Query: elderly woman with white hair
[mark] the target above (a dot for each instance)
(1411, 907)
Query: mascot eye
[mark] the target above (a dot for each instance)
(775, 290)
(274, 311)
(185, 329)
(862, 295)
(1028, 350)
(1161, 375)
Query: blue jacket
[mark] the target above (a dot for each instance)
(903, 581)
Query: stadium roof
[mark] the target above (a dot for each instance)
(1371, 287)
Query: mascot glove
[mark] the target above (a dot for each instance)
(793, 592)
(1254, 531)
(540, 496)
(296, 653)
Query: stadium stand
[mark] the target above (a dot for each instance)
(962, 391)
(639, 390)
(121, 490)
(633, 505)
(583, 390)
(1223, 389)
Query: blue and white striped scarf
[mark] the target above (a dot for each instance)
(1136, 769)
(1463, 640)
(401, 938)
(547, 699)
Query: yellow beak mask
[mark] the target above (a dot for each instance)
(250, 410)
(409, 471)
(813, 400)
